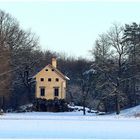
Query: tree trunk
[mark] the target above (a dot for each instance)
(117, 105)
(84, 107)
(84, 110)
(134, 91)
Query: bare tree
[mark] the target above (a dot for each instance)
(5, 76)
(109, 66)
(17, 48)
(115, 36)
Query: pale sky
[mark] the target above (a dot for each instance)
(71, 27)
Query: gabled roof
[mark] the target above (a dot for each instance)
(56, 70)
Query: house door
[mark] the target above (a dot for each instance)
(56, 92)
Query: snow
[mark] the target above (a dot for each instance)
(26, 106)
(131, 112)
(70, 125)
(90, 71)
(67, 77)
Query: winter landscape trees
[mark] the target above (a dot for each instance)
(108, 82)
(115, 67)
(16, 47)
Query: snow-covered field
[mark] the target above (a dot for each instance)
(70, 125)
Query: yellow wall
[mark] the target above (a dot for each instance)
(49, 86)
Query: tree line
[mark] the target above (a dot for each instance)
(111, 80)
(107, 82)
(116, 69)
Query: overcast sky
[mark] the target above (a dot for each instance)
(71, 27)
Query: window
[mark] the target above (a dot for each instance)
(137, 88)
(56, 91)
(42, 91)
(49, 79)
(57, 79)
(42, 79)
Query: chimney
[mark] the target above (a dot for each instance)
(54, 62)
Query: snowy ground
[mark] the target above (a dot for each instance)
(70, 125)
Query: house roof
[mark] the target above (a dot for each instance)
(56, 70)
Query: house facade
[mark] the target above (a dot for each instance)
(50, 82)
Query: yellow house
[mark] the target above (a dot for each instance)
(50, 82)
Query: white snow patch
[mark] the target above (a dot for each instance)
(131, 112)
(90, 71)
(70, 125)
(67, 77)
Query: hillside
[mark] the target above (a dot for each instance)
(134, 111)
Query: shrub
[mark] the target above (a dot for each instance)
(56, 105)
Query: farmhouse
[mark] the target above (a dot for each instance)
(50, 82)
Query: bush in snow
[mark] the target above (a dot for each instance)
(137, 115)
(56, 105)
(1, 111)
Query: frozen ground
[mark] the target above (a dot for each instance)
(70, 125)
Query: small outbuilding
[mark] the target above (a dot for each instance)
(50, 82)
